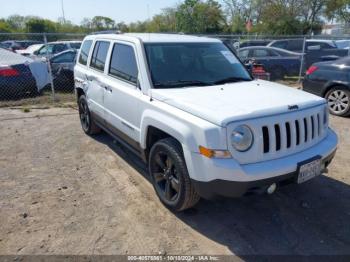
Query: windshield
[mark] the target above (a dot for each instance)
(193, 64)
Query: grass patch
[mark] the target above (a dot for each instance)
(43, 101)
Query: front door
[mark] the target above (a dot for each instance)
(122, 94)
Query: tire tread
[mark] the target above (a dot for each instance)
(190, 195)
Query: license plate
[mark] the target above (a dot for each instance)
(309, 170)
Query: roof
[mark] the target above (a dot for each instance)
(8, 58)
(157, 38)
(320, 40)
(269, 48)
(64, 41)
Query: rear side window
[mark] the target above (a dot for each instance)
(123, 63)
(99, 55)
(64, 58)
(84, 53)
(75, 45)
(59, 48)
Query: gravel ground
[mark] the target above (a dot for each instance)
(62, 192)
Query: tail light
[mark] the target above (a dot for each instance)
(258, 69)
(8, 71)
(311, 70)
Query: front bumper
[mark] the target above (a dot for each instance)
(223, 188)
(226, 177)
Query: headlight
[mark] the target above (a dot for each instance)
(242, 138)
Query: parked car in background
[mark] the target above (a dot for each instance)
(296, 45)
(50, 49)
(277, 62)
(29, 51)
(16, 78)
(316, 50)
(331, 80)
(254, 43)
(62, 66)
(3, 46)
(343, 44)
(19, 44)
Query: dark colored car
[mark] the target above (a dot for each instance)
(19, 44)
(16, 78)
(277, 62)
(331, 80)
(254, 43)
(62, 66)
(316, 50)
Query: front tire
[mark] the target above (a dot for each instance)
(338, 99)
(87, 123)
(170, 177)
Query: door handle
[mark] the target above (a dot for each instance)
(90, 78)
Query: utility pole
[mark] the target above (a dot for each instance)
(63, 15)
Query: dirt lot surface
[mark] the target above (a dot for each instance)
(62, 192)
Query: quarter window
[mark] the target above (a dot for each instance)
(84, 53)
(123, 63)
(99, 55)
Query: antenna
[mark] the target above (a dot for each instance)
(63, 15)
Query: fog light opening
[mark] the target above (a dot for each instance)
(271, 189)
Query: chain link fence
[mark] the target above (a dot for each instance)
(38, 68)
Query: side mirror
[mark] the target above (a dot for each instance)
(36, 52)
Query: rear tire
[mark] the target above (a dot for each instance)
(338, 99)
(170, 177)
(87, 122)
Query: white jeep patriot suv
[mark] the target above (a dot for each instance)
(192, 111)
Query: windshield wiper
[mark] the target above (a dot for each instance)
(181, 83)
(231, 80)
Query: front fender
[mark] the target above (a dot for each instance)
(174, 127)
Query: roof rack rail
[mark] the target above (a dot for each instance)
(107, 32)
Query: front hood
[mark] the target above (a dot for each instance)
(236, 101)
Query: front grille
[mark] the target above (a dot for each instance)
(292, 133)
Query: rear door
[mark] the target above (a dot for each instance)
(95, 76)
(122, 93)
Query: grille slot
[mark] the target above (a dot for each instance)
(297, 128)
(266, 139)
(305, 130)
(278, 137)
(290, 134)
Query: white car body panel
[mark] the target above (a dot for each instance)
(204, 116)
(231, 102)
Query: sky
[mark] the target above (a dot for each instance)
(75, 10)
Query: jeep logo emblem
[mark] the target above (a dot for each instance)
(293, 107)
